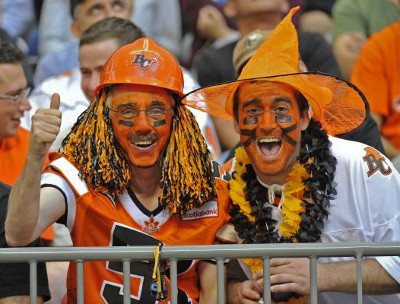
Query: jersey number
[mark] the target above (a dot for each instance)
(141, 271)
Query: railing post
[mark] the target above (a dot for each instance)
(221, 281)
(359, 278)
(33, 281)
(267, 280)
(80, 282)
(174, 281)
(127, 281)
(313, 280)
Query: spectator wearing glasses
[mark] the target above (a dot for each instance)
(14, 139)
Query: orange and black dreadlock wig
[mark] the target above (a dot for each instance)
(187, 175)
(91, 146)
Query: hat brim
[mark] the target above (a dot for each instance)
(337, 104)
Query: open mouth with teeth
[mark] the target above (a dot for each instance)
(269, 147)
(143, 144)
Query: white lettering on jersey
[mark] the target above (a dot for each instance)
(209, 209)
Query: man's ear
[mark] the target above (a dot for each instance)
(236, 126)
(76, 29)
(229, 9)
(305, 120)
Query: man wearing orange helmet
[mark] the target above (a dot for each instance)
(134, 170)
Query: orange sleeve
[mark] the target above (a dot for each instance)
(369, 75)
(13, 156)
(228, 165)
(48, 234)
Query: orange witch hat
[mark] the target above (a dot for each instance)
(336, 103)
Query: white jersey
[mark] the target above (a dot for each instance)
(366, 209)
(73, 102)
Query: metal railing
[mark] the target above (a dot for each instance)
(217, 252)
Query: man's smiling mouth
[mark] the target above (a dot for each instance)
(270, 146)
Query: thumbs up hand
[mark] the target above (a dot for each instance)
(45, 128)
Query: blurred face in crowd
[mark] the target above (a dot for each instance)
(13, 99)
(91, 11)
(270, 124)
(256, 14)
(92, 57)
(141, 118)
(244, 8)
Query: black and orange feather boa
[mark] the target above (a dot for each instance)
(307, 194)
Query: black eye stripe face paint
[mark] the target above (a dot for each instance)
(158, 123)
(126, 123)
(290, 140)
(250, 121)
(290, 129)
(283, 119)
(251, 133)
(249, 141)
(285, 131)
(246, 132)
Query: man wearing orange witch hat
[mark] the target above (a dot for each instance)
(293, 181)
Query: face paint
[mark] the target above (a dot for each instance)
(286, 137)
(158, 123)
(144, 135)
(251, 134)
(270, 127)
(250, 121)
(283, 119)
(126, 123)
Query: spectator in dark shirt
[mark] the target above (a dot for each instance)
(14, 277)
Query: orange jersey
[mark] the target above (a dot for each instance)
(377, 74)
(13, 151)
(100, 221)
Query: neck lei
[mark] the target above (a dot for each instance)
(306, 196)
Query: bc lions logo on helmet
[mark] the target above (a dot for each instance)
(144, 59)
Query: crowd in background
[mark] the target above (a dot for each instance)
(202, 34)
